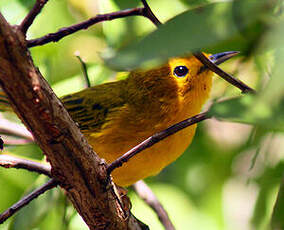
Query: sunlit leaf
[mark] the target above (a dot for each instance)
(277, 221)
(230, 25)
(248, 110)
(268, 183)
(266, 108)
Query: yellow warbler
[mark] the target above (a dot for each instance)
(117, 116)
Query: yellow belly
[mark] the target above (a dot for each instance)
(151, 161)
(148, 162)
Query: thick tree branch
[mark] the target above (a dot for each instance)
(227, 77)
(27, 199)
(8, 161)
(28, 20)
(155, 139)
(145, 193)
(74, 164)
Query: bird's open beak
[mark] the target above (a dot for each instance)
(220, 58)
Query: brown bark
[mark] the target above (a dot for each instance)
(74, 164)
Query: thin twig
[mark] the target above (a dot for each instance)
(148, 13)
(13, 141)
(8, 161)
(11, 128)
(27, 199)
(85, 70)
(146, 194)
(65, 31)
(229, 78)
(55, 37)
(155, 139)
(28, 20)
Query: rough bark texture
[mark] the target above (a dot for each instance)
(74, 164)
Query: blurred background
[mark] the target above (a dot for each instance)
(230, 176)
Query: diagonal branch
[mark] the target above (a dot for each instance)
(8, 161)
(28, 20)
(74, 164)
(63, 32)
(145, 193)
(155, 139)
(27, 199)
(229, 78)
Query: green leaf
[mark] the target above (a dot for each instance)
(230, 25)
(248, 110)
(277, 221)
(27, 3)
(268, 183)
(266, 108)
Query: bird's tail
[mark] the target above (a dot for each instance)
(4, 102)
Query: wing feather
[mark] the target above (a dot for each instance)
(91, 107)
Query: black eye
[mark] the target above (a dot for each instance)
(180, 71)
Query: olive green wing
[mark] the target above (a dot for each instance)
(91, 107)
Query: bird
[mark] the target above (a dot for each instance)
(117, 116)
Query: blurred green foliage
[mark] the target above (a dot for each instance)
(230, 176)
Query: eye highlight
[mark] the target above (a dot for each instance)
(181, 71)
